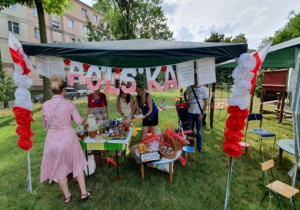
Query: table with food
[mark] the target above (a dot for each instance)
(105, 135)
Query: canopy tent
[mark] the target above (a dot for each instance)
(279, 56)
(137, 53)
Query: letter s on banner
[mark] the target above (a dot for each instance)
(126, 78)
(76, 70)
(89, 74)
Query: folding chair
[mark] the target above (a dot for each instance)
(258, 131)
(277, 187)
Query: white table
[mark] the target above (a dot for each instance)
(162, 162)
(287, 145)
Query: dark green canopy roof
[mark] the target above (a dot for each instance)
(138, 52)
(282, 55)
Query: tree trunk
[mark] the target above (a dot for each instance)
(43, 34)
(5, 103)
(128, 20)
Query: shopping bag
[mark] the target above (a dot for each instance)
(91, 166)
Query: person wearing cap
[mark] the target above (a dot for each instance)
(98, 104)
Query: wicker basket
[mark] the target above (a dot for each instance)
(171, 141)
(92, 134)
(176, 144)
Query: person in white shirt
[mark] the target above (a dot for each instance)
(195, 114)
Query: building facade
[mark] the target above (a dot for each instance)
(22, 21)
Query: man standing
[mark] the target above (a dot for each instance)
(196, 98)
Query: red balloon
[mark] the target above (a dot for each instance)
(67, 62)
(118, 70)
(86, 66)
(163, 68)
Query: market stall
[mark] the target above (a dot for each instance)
(132, 57)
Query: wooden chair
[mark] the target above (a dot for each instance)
(277, 187)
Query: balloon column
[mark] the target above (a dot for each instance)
(23, 104)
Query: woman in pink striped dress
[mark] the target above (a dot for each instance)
(62, 153)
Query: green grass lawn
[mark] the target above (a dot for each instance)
(196, 186)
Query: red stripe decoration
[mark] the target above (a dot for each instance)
(19, 59)
(255, 71)
(235, 124)
(24, 120)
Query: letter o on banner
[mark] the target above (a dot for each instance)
(76, 70)
(91, 70)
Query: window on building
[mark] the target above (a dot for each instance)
(41, 77)
(14, 6)
(84, 12)
(57, 42)
(13, 27)
(76, 78)
(71, 40)
(85, 30)
(36, 33)
(96, 18)
(34, 12)
(71, 24)
(55, 24)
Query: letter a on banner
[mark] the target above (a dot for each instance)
(76, 70)
(108, 87)
(173, 81)
(91, 70)
(126, 78)
(151, 79)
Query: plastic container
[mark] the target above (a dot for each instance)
(126, 127)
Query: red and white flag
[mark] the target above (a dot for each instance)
(18, 55)
(259, 57)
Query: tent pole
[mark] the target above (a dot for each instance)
(212, 105)
(295, 111)
(29, 186)
(228, 184)
(251, 102)
(181, 94)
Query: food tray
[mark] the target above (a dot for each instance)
(116, 137)
(150, 157)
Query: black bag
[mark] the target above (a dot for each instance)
(204, 119)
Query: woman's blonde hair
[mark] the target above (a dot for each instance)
(57, 84)
(143, 96)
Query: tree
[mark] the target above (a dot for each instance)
(241, 38)
(7, 86)
(100, 32)
(56, 7)
(130, 19)
(291, 30)
(216, 37)
(264, 41)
